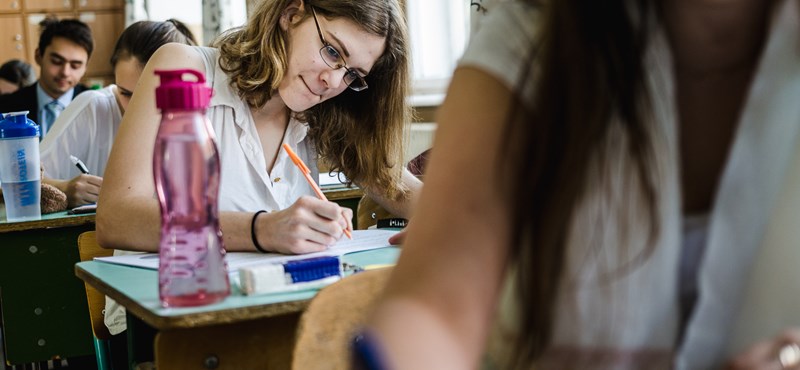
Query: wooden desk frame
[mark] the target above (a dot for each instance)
(246, 333)
(44, 309)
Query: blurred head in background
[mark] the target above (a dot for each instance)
(14, 75)
(135, 47)
(63, 52)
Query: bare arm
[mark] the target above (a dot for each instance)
(403, 207)
(127, 213)
(439, 302)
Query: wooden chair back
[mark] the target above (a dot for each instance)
(332, 319)
(89, 249)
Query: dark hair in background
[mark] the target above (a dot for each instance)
(590, 70)
(18, 72)
(143, 38)
(70, 29)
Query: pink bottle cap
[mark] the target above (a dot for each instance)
(177, 93)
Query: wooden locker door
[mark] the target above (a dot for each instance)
(10, 6)
(46, 6)
(33, 32)
(106, 28)
(12, 45)
(84, 5)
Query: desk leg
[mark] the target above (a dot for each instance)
(139, 339)
(257, 344)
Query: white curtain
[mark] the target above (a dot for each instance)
(135, 10)
(218, 16)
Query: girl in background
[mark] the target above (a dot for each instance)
(87, 127)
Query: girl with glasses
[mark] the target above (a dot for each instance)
(327, 77)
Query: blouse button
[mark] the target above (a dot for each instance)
(277, 179)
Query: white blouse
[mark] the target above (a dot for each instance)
(85, 129)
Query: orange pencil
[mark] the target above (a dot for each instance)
(307, 173)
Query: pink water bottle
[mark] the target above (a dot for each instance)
(186, 169)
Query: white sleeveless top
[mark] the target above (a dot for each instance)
(86, 129)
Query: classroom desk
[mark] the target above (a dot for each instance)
(237, 333)
(43, 305)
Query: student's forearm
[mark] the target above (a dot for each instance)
(59, 184)
(403, 207)
(236, 231)
(139, 228)
(128, 224)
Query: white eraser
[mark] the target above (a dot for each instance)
(263, 278)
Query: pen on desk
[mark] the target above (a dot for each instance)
(79, 163)
(307, 173)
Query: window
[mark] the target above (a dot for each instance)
(439, 31)
(229, 13)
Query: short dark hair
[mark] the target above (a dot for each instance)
(143, 38)
(70, 29)
(18, 72)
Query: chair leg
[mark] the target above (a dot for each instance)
(101, 352)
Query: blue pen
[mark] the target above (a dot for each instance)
(79, 163)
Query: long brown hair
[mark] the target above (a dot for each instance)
(359, 133)
(589, 70)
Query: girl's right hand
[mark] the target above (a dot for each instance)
(309, 225)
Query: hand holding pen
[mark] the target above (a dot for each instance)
(81, 189)
(79, 163)
(307, 173)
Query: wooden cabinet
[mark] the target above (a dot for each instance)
(99, 4)
(19, 29)
(48, 5)
(10, 5)
(12, 35)
(106, 28)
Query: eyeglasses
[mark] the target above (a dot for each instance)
(335, 60)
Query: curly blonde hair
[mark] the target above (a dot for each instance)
(358, 133)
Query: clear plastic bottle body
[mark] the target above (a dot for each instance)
(19, 167)
(186, 169)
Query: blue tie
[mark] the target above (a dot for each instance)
(51, 112)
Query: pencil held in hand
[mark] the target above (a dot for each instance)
(79, 163)
(307, 173)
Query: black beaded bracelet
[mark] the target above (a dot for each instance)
(253, 232)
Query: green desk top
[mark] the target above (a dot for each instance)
(137, 290)
(57, 219)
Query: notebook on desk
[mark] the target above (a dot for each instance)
(363, 240)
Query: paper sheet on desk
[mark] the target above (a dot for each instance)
(332, 179)
(362, 240)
